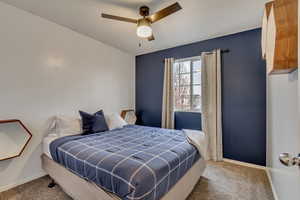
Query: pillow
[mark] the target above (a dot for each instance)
(93, 123)
(62, 126)
(115, 121)
(65, 125)
(50, 126)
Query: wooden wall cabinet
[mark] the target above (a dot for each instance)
(280, 36)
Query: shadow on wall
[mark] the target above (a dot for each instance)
(4, 164)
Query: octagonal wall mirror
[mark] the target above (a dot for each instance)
(14, 137)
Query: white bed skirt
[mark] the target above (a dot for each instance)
(80, 189)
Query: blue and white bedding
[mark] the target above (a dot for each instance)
(134, 162)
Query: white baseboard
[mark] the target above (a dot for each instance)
(22, 181)
(244, 164)
(271, 183)
(267, 170)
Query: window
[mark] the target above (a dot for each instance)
(187, 85)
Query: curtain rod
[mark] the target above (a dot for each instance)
(222, 51)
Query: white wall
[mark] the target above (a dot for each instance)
(283, 133)
(46, 69)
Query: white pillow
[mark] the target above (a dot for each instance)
(50, 127)
(114, 121)
(66, 125)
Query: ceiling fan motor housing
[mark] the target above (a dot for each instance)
(144, 11)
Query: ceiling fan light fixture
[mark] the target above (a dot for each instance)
(144, 29)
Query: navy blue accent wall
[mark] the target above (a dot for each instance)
(188, 120)
(243, 93)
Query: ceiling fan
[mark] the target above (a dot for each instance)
(144, 29)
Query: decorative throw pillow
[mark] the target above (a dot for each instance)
(115, 121)
(66, 125)
(63, 125)
(93, 123)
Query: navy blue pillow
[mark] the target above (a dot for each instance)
(93, 123)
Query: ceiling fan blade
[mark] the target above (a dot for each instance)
(165, 12)
(151, 38)
(124, 19)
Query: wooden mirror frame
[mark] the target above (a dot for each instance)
(26, 131)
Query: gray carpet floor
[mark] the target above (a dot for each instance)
(220, 181)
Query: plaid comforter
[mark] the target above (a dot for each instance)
(134, 162)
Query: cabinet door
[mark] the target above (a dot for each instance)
(271, 40)
(264, 31)
(265, 28)
(280, 36)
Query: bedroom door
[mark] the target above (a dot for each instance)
(283, 134)
(288, 178)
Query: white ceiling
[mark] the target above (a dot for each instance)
(198, 20)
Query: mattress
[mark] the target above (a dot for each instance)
(134, 162)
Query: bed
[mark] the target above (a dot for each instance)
(130, 163)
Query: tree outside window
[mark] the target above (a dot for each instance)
(187, 85)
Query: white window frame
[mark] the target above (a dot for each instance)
(192, 60)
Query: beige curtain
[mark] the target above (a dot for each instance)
(211, 103)
(167, 105)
